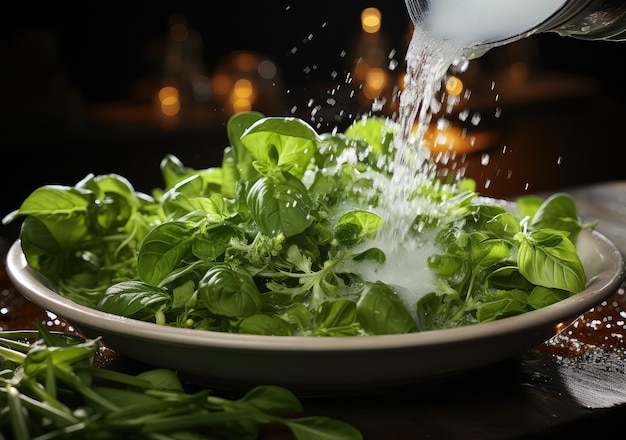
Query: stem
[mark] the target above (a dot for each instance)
(18, 422)
(12, 355)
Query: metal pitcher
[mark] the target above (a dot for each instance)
(583, 19)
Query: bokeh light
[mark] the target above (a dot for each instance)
(371, 20)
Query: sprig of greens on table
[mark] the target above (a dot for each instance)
(50, 389)
(258, 244)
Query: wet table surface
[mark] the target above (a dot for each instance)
(571, 386)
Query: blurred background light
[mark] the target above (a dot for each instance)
(370, 20)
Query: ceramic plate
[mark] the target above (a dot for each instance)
(332, 364)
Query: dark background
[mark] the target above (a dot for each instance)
(103, 46)
(60, 64)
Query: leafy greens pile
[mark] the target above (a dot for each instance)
(50, 389)
(264, 243)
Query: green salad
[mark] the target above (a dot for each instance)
(284, 238)
(50, 388)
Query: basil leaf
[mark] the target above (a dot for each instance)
(380, 311)
(134, 299)
(280, 205)
(501, 304)
(542, 296)
(261, 324)
(230, 292)
(558, 212)
(336, 318)
(293, 139)
(356, 226)
(163, 249)
(547, 258)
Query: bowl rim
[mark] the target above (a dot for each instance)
(33, 286)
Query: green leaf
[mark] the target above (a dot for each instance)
(372, 254)
(163, 249)
(63, 210)
(237, 161)
(196, 193)
(134, 299)
(542, 296)
(528, 205)
(280, 205)
(376, 132)
(509, 277)
(504, 225)
(435, 310)
(56, 200)
(322, 428)
(239, 123)
(558, 212)
(229, 291)
(446, 266)
(115, 201)
(356, 226)
(173, 170)
(273, 400)
(547, 258)
(478, 216)
(380, 311)
(501, 304)
(261, 324)
(214, 241)
(184, 295)
(336, 317)
(293, 139)
(486, 252)
(162, 379)
(42, 251)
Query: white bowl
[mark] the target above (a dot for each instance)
(329, 364)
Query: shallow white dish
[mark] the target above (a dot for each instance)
(332, 364)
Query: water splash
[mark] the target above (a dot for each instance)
(428, 60)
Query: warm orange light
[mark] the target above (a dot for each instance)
(169, 102)
(518, 72)
(370, 20)
(221, 84)
(241, 105)
(168, 92)
(454, 86)
(245, 62)
(170, 106)
(457, 139)
(375, 82)
(243, 88)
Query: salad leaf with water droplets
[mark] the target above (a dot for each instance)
(294, 234)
